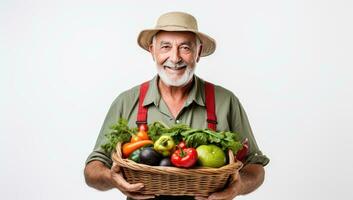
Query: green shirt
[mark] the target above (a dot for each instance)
(230, 116)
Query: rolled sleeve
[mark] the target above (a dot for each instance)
(98, 152)
(242, 126)
(100, 156)
(257, 158)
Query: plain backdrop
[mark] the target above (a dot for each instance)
(63, 62)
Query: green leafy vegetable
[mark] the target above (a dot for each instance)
(119, 132)
(196, 137)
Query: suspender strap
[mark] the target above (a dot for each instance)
(142, 111)
(210, 106)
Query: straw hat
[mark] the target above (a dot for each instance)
(177, 21)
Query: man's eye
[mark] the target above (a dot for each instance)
(185, 48)
(164, 47)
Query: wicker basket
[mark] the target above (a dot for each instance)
(160, 180)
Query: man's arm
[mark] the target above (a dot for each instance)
(250, 177)
(98, 176)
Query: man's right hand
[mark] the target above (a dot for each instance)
(130, 190)
(99, 176)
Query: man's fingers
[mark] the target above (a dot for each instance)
(121, 182)
(124, 185)
(130, 190)
(115, 168)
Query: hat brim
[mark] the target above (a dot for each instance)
(208, 44)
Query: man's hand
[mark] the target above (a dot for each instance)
(98, 176)
(130, 190)
(247, 180)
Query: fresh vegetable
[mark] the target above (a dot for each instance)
(184, 157)
(143, 127)
(140, 135)
(128, 148)
(157, 129)
(149, 156)
(165, 162)
(119, 132)
(164, 145)
(135, 156)
(244, 151)
(182, 144)
(211, 156)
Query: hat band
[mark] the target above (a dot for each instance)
(174, 26)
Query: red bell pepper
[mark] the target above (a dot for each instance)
(186, 157)
(241, 154)
(143, 127)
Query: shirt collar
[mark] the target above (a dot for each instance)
(196, 93)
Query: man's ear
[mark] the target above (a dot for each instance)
(151, 50)
(199, 53)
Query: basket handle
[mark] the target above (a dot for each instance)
(118, 149)
(231, 157)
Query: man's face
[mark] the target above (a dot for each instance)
(176, 55)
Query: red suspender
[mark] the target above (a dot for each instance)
(210, 106)
(142, 111)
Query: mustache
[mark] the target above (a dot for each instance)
(170, 64)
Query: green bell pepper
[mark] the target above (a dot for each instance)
(165, 145)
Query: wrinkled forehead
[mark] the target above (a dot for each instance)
(180, 36)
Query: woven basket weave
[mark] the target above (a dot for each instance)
(160, 180)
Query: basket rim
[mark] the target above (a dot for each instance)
(231, 168)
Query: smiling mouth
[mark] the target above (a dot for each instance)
(175, 68)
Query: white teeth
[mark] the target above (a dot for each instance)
(175, 68)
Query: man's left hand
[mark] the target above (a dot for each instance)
(229, 193)
(250, 177)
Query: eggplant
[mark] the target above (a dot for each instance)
(165, 162)
(149, 156)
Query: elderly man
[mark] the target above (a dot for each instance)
(176, 95)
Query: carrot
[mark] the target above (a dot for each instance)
(128, 148)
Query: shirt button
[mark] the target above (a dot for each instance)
(177, 121)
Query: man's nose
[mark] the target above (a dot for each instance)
(175, 55)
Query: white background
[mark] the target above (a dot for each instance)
(289, 62)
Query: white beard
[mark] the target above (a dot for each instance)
(183, 80)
